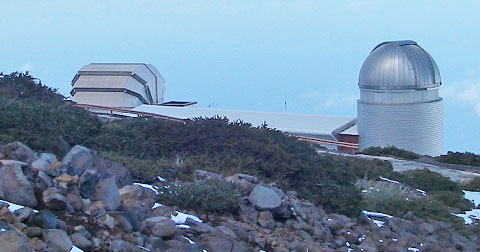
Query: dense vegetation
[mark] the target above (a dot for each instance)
(461, 158)
(391, 151)
(40, 117)
(210, 196)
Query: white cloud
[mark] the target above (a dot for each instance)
(27, 67)
(466, 92)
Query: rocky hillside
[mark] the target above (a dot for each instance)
(84, 202)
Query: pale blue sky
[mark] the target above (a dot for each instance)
(252, 55)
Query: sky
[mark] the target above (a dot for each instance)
(250, 54)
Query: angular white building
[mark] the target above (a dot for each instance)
(399, 101)
(120, 85)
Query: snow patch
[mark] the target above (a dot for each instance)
(161, 179)
(14, 207)
(389, 180)
(413, 249)
(75, 249)
(151, 187)
(180, 218)
(474, 197)
(379, 223)
(183, 226)
(156, 205)
(422, 192)
(377, 215)
(2, 230)
(190, 241)
(469, 216)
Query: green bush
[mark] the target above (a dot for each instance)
(391, 151)
(427, 180)
(210, 196)
(461, 158)
(370, 169)
(453, 200)
(471, 185)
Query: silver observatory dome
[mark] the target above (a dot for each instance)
(399, 101)
(399, 65)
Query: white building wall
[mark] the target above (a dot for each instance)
(417, 127)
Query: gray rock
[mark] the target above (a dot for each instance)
(54, 200)
(77, 160)
(15, 186)
(107, 192)
(11, 240)
(265, 198)
(88, 183)
(45, 162)
(44, 219)
(248, 214)
(136, 198)
(81, 241)
(265, 219)
(124, 246)
(14, 162)
(19, 151)
(206, 175)
(24, 213)
(221, 243)
(33, 231)
(120, 172)
(57, 240)
(45, 179)
(159, 226)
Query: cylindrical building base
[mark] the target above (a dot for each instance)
(416, 127)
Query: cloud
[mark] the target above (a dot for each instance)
(465, 92)
(361, 6)
(27, 67)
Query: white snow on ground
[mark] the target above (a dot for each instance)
(161, 179)
(14, 207)
(156, 205)
(75, 249)
(422, 192)
(371, 215)
(469, 216)
(474, 197)
(190, 241)
(474, 214)
(413, 249)
(389, 180)
(183, 226)
(182, 217)
(151, 187)
(377, 215)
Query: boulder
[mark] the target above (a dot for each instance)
(220, 243)
(248, 214)
(45, 179)
(159, 226)
(11, 240)
(45, 162)
(44, 219)
(57, 240)
(18, 151)
(88, 183)
(124, 246)
(206, 175)
(265, 198)
(15, 186)
(80, 241)
(54, 200)
(265, 219)
(107, 192)
(77, 160)
(24, 213)
(120, 172)
(136, 198)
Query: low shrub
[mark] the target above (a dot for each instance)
(453, 200)
(471, 185)
(461, 158)
(370, 169)
(391, 151)
(426, 180)
(212, 196)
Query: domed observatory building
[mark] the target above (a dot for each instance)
(399, 101)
